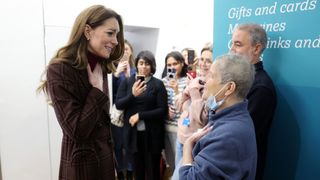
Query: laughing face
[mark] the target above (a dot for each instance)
(103, 39)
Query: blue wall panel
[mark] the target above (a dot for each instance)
(294, 141)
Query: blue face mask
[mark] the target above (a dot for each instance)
(212, 103)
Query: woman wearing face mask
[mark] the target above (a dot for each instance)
(226, 147)
(145, 107)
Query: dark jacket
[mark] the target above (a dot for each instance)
(116, 83)
(152, 107)
(262, 104)
(228, 151)
(83, 114)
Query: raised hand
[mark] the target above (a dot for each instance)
(122, 67)
(191, 141)
(138, 88)
(197, 82)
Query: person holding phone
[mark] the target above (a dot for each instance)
(125, 69)
(185, 53)
(192, 64)
(194, 115)
(77, 86)
(174, 86)
(145, 108)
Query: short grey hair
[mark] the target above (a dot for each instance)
(257, 34)
(236, 68)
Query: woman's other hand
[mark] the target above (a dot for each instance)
(134, 119)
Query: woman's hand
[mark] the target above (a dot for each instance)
(174, 85)
(138, 88)
(134, 119)
(171, 112)
(122, 67)
(197, 83)
(190, 142)
(96, 76)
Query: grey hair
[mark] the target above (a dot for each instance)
(236, 68)
(257, 34)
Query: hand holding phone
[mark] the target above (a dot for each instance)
(191, 71)
(139, 86)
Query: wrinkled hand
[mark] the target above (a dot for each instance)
(134, 119)
(96, 76)
(191, 141)
(198, 135)
(138, 88)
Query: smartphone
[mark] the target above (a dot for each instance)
(191, 71)
(141, 77)
(171, 73)
(190, 57)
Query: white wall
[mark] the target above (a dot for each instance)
(24, 145)
(30, 136)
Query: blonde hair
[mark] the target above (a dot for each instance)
(75, 52)
(131, 58)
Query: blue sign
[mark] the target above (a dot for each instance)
(292, 59)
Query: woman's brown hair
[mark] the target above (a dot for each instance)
(75, 52)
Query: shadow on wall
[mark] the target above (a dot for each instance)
(285, 136)
(284, 140)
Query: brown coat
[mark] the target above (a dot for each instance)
(83, 114)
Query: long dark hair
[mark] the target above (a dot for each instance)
(178, 57)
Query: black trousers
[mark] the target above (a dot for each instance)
(147, 164)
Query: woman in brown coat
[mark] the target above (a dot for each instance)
(76, 83)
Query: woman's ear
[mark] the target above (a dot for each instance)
(87, 31)
(231, 88)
